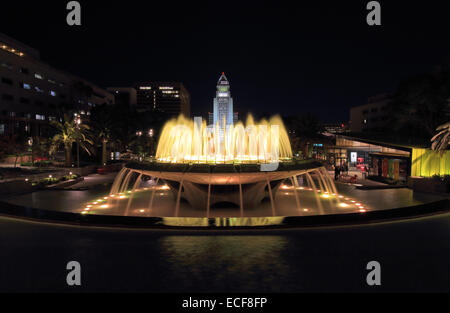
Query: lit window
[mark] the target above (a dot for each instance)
(223, 94)
(165, 87)
(38, 89)
(145, 87)
(26, 86)
(40, 117)
(38, 76)
(52, 93)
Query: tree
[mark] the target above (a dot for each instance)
(125, 119)
(13, 144)
(421, 104)
(102, 125)
(69, 131)
(302, 130)
(441, 140)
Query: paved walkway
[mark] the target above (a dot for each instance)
(360, 180)
(95, 180)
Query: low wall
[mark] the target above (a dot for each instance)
(427, 185)
(16, 187)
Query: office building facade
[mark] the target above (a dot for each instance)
(371, 116)
(171, 98)
(32, 93)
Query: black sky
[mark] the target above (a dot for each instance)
(286, 57)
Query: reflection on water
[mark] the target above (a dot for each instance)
(218, 262)
(223, 221)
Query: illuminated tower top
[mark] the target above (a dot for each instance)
(223, 103)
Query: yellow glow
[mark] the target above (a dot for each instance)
(426, 163)
(104, 206)
(183, 140)
(121, 197)
(343, 205)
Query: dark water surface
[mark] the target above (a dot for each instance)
(414, 256)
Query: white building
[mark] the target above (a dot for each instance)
(223, 103)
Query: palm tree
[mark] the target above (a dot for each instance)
(68, 132)
(441, 140)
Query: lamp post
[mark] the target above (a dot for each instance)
(150, 134)
(30, 143)
(78, 121)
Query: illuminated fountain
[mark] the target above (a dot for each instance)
(185, 141)
(221, 172)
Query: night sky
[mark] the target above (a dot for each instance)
(319, 57)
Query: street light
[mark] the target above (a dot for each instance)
(30, 143)
(78, 122)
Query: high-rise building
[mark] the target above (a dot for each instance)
(169, 97)
(223, 103)
(33, 92)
